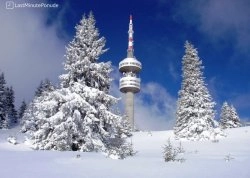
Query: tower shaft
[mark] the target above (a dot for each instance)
(129, 107)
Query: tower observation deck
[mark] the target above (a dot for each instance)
(130, 82)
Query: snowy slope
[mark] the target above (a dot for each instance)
(203, 159)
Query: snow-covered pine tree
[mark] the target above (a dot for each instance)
(10, 110)
(22, 109)
(29, 121)
(235, 117)
(78, 115)
(195, 108)
(3, 120)
(45, 85)
(229, 117)
(224, 115)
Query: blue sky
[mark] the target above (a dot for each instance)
(219, 29)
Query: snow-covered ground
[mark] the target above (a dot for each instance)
(202, 159)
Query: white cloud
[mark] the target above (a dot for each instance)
(29, 50)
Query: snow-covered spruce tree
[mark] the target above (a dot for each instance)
(8, 114)
(78, 116)
(3, 120)
(22, 109)
(225, 115)
(10, 110)
(235, 117)
(229, 117)
(45, 85)
(28, 120)
(195, 108)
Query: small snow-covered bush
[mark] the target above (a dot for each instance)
(215, 141)
(78, 156)
(12, 140)
(170, 153)
(228, 157)
(150, 133)
(120, 151)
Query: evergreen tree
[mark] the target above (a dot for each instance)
(10, 110)
(195, 108)
(229, 117)
(45, 85)
(82, 54)
(3, 120)
(78, 115)
(22, 109)
(225, 114)
(235, 117)
(29, 121)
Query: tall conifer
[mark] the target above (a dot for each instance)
(195, 108)
(78, 115)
